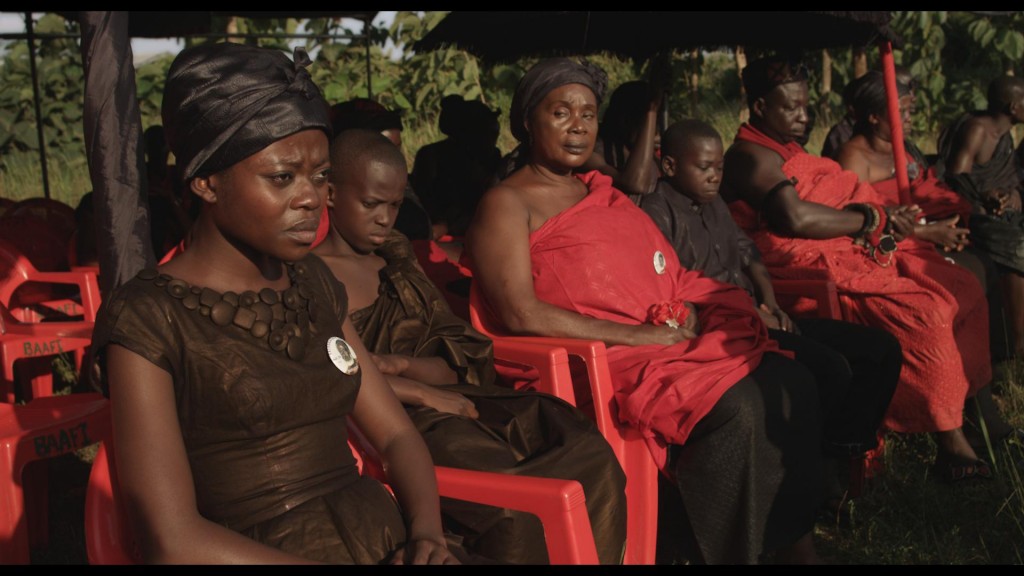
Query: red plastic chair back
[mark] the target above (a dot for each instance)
(57, 216)
(805, 292)
(627, 443)
(62, 293)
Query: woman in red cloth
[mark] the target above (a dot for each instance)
(729, 418)
(804, 211)
(944, 212)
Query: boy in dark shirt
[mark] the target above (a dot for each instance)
(857, 367)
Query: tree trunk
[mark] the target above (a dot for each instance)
(741, 63)
(860, 62)
(694, 82)
(826, 73)
(232, 28)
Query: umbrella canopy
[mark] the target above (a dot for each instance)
(507, 36)
(153, 24)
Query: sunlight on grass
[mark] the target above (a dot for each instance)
(906, 516)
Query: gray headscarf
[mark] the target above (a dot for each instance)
(224, 102)
(544, 77)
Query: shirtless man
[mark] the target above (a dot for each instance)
(977, 155)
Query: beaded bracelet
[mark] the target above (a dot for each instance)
(876, 230)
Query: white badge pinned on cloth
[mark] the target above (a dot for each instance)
(343, 356)
(659, 262)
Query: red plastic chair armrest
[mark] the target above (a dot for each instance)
(551, 363)
(560, 505)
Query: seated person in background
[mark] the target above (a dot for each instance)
(731, 420)
(976, 160)
(443, 370)
(843, 130)
(413, 222)
(628, 139)
(83, 240)
(439, 256)
(233, 370)
(804, 211)
(857, 367)
(945, 214)
(169, 217)
(450, 175)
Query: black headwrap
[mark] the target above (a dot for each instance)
(364, 113)
(762, 76)
(544, 77)
(224, 102)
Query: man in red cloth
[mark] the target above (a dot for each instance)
(804, 211)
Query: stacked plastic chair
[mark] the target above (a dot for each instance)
(41, 425)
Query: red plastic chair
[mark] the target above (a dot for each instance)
(33, 295)
(560, 504)
(25, 344)
(627, 443)
(43, 428)
(804, 292)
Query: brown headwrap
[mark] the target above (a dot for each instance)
(224, 102)
(544, 77)
(761, 76)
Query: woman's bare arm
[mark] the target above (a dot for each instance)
(405, 457)
(499, 244)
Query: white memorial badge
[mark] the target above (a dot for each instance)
(343, 356)
(659, 262)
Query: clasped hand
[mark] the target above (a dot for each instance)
(904, 220)
(1000, 200)
(944, 233)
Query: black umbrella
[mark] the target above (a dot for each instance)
(507, 36)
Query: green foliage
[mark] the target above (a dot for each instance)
(59, 73)
(952, 54)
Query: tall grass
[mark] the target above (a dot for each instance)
(907, 516)
(67, 174)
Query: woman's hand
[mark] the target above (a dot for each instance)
(692, 322)
(944, 233)
(390, 364)
(424, 551)
(644, 334)
(448, 402)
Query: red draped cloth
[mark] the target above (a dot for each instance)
(937, 201)
(935, 308)
(599, 258)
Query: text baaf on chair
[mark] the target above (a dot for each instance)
(29, 433)
(31, 347)
(560, 505)
(627, 443)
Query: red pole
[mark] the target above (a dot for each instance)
(899, 152)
